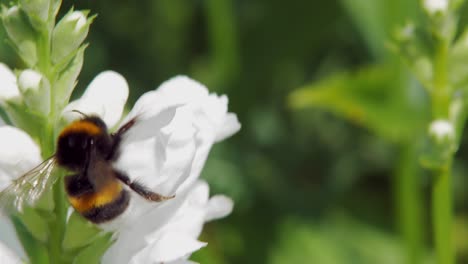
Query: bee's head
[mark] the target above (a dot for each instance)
(78, 140)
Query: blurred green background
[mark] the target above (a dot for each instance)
(318, 174)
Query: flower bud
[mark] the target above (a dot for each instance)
(9, 90)
(69, 34)
(21, 34)
(442, 131)
(434, 6)
(442, 144)
(36, 9)
(35, 90)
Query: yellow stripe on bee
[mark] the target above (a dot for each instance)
(82, 126)
(86, 202)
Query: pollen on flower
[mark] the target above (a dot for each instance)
(433, 6)
(442, 129)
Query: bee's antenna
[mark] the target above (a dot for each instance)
(79, 112)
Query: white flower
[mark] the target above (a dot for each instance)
(165, 150)
(18, 154)
(8, 256)
(433, 6)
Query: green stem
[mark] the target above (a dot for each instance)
(223, 39)
(442, 215)
(441, 189)
(441, 92)
(57, 225)
(43, 45)
(409, 203)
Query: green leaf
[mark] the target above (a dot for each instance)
(336, 239)
(79, 232)
(93, 253)
(415, 46)
(35, 224)
(458, 68)
(379, 98)
(377, 19)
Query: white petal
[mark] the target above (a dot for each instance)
(164, 161)
(218, 206)
(7, 256)
(156, 109)
(136, 224)
(175, 152)
(229, 127)
(9, 237)
(179, 104)
(184, 214)
(182, 261)
(105, 96)
(8, 89)
(18, 154)
(169, 247)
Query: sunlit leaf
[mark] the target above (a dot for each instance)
(376, 97)
(337, 239)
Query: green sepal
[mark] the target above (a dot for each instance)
(79, 232)
(93, 253)
(67, 74)
(436, 156)
(26, 119)
(54, 8)
(34, 223)
(35, 250)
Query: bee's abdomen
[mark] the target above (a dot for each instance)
(108, 211)
(103, 205)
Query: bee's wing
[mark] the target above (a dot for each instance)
(28, 188)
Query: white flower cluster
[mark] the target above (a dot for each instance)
(166, 150)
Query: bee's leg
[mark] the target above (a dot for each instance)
(75, 185)
(117, 138)
(142, 190)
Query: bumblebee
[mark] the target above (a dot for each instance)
(94, 188)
